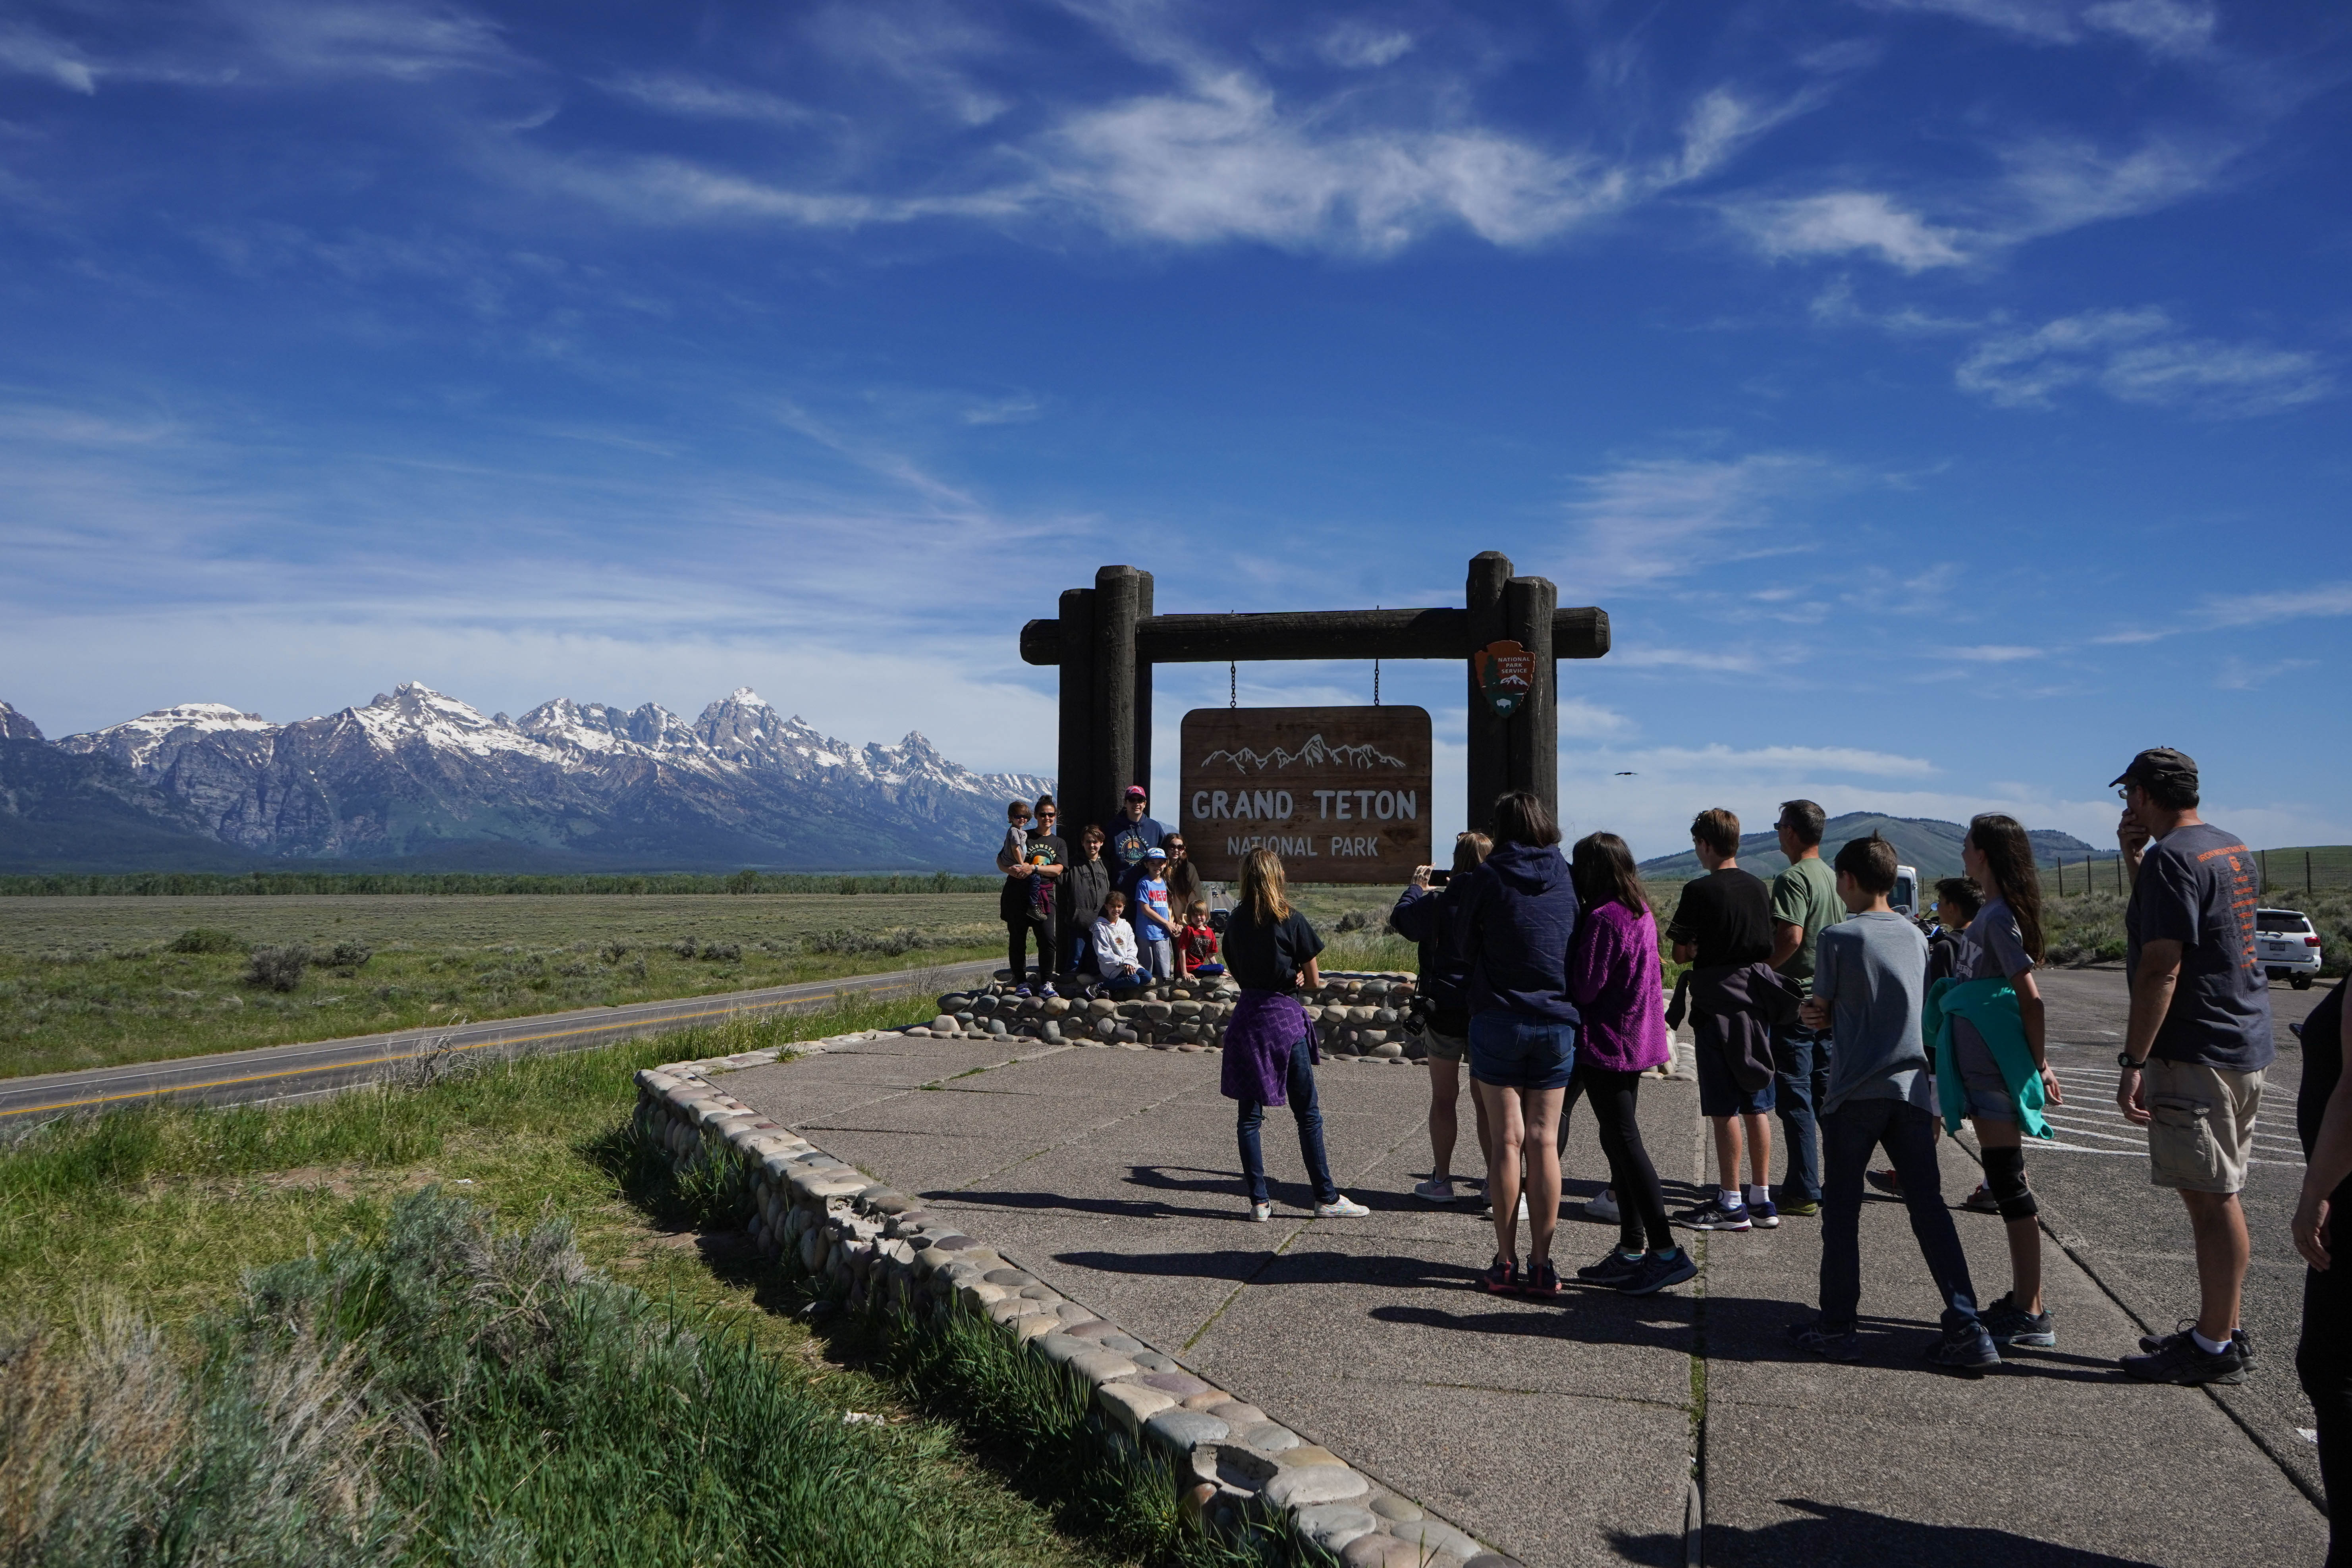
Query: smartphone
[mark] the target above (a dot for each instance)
(1439, 875)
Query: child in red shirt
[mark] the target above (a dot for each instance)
(1196, 943)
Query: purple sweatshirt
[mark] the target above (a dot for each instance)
(1615, 975)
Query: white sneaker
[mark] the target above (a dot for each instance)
(1604, 1208)
(1523, 1206)
(1261, 1213)
(1434, 1191)
(1342, 1207)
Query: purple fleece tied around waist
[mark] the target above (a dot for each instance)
(1258, 1038)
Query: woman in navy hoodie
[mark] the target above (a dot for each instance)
(1518, 912)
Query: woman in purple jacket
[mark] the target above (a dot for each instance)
(1615, 975)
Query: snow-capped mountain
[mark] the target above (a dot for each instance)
(415, 773)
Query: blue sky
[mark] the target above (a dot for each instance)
(1944, 397)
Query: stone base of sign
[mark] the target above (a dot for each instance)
(880, 1250)
(1366, 1014)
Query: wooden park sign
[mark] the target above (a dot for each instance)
(1107, 638)
(1341, 794)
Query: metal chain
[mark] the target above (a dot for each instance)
(1233, 684)
(1376, 678)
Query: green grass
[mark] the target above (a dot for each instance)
(96, 982)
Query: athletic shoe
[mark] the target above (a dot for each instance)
(1434, 1191)
(1712, 1216)
(1830, 1344)
(1487, 1211)
(1604, 1208)
(1501, 1279)
(1047, 991)
(2239, 1337)
(1981, 1200)
(1022, 991)
(1885, 1181)
(1342, 1207)
(1655, 1273)
(1610, 1271)
(2183, 1361)
(1541, 1282)
(1763, 1215)
(2010, 1324)
(1965, 1350)
(1803, 1208)
(1261, 1213)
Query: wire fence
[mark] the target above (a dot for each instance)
(2285, 873)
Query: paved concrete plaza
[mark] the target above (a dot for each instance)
(1562, 1433)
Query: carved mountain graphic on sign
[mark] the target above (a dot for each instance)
(1313, 753)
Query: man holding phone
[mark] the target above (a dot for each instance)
(1426, 915)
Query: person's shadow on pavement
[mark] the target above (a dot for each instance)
(1841, 1535)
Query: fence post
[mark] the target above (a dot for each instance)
(2306, 876)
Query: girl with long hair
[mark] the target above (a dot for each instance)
(1270, 1052)
(1615, 975)
(2004, 943)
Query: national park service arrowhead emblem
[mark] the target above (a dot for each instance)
(1507, 676)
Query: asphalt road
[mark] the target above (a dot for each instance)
(302, 1071)
(2134, 1237)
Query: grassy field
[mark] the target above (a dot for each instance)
(250, 1336)
(98, 980)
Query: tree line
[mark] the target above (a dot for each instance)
(264, 884)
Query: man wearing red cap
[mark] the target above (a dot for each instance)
(2196, 1045)
(1133, 835)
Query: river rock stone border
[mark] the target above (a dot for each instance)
(1357, 1014)
(881, 1248)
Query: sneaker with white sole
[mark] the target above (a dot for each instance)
(1261, 1213)
(1342, 1207)
(1655, 1273)
(1604, 1208)
(1712, 1216)
(1437, 1190)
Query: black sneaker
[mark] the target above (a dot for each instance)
(1610, 1271)
(2181, 1360)
(1501, 1277)
(1827, 1342)
(1712, 1216)
(1885, 1181)
(1655, 1273)
(2010, 1324)
(1966, 1350)
(1541, 1281)
(2151, 1343)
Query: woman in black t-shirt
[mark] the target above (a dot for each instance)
(2323, 1116)
(1269, 1045)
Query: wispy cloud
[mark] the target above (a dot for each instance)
(1785, 760)
(1015, 410)
(1358, 44)
(1844, 222)
(2238, 674)
(1645, 523)
(1709, 661)
(1992, 653)
(2173, 28)
(699, 98)
(26, 50)
(2288, 605)
(2141, 356)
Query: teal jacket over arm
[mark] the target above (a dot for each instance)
(1992, 1006)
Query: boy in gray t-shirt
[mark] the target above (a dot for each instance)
(1869, 985)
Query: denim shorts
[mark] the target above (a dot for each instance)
(1719, 1093)
(1512, 1052)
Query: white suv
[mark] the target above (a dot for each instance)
(2287, 946)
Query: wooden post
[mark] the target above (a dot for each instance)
(1142, 764)
(1489, 736)
(1081, 793)
(1113, 741)
(1534, 730)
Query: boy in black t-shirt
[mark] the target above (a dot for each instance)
(1724, 920)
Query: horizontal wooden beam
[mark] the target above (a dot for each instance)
(1581, 632)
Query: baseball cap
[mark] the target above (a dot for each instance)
(2159, 765)
(1137, 792)
(1155, 855)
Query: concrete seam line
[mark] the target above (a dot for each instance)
(848, 1233)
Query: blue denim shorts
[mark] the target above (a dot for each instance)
(1512, 1052)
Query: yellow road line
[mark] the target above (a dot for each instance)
(377, 1061)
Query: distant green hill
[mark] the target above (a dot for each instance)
(1932, 846)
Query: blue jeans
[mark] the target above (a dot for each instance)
(1307, 1111)
(1850, 1133)
(1801, 1082)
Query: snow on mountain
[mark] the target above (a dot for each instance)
(414, 771)
(14, 726)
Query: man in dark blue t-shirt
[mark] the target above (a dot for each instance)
(1133, 837)
(2197, 1045)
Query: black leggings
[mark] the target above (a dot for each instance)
(1640, 1202)
(2324, 1361)
(1017, 945)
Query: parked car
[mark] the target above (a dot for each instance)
(2287, 946)
(1905, 899)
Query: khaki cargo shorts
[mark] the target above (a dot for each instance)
(1442, 1047)
(2203, 1133)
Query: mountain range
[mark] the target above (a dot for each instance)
(417, 779)
(1931, 846)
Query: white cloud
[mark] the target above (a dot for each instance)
(1779, 760)
(2288, 605)
(2238, 674)
(1016, 410)
(1355, 45)
(2141, 356)
(28, 51)
(1722, 663)
(1842, 222)
(1643, 523)
(2162, 27)
(676, 92)
(1992, 653)
(354, 37)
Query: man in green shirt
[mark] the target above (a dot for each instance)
(1805, 901)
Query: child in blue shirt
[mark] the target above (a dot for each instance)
(1155, 923)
